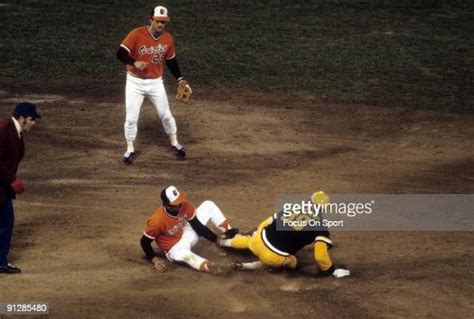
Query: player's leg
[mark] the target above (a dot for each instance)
(245, 241)
(181, 252)
(134, 95)
(266, 256)
(6, 230)
(159, 99)
(208, 211)
(237, 242)
(269, 257)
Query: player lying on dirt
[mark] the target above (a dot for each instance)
(176, 227)
(277, 248)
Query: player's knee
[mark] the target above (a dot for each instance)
(182, 256)
(208, 204)
(167, 117)
(130, 122)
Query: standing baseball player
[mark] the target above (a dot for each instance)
(176, 227)
(276, 247)
(144, 50)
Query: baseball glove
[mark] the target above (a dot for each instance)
(184, 92)
(230, 233)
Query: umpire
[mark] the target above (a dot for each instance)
(12, 150)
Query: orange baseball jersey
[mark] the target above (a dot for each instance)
(166, 229)
(142, 45)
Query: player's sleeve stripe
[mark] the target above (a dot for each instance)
(324, 239)
(148, 236)
(125, 47)
(171, 57)
(194, 215)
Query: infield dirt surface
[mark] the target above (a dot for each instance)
(79, 223)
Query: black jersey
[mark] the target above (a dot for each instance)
(292, 239)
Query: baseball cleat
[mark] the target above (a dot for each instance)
(128, 157)
(179, 149)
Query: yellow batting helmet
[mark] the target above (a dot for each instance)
(320, 197)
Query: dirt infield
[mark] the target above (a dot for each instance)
(79, 223)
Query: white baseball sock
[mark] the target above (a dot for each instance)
(174, 139)
(130, 147)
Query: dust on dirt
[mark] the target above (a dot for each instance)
(79, 223)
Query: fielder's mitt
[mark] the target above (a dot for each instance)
(184, 92)
(230, 233)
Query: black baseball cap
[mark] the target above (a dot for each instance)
(26, 109)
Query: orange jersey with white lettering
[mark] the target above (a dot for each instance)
(142, 45)
(166, 229)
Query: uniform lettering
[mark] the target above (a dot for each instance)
(176, 228)
(160, 48)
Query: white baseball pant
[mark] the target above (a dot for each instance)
(136, 90)
(181, 251)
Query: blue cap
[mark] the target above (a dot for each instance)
(26, 109)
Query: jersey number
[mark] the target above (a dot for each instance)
(157, 58)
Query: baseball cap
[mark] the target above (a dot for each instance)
(26, 109)
(170, 195)
(160, 13)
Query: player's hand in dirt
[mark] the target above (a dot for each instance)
(159, 264)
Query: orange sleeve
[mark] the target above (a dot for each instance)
(153, 227)
(189, 211)
(129, 42)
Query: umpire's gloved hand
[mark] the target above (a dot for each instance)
(18, 186)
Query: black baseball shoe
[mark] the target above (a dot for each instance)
(9, 269)
(179, 149)
(128, 157)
